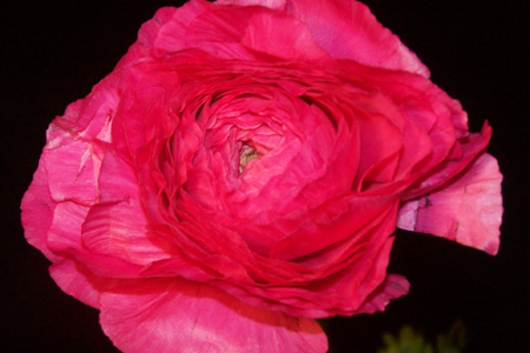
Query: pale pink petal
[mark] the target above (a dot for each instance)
(346, 29)
(175, 315)
(468, 210)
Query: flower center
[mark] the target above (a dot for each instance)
(246, 153)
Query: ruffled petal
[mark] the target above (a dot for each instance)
(468, 211)
(175, 315)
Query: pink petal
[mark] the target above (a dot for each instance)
(175, 315)
(282, 36)
(271, 4)
(166, 32)
(64, 233)
(346, 29)
(117, 227)
(468, 211)
(393, 287)
(219, 32)
(73, 167)
(91, 117)
(76, 280)
(37, 212)
(381, 142)
(338, 219)
(467, 150)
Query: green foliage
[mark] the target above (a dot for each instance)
(410, 341)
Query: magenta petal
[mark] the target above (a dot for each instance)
(468, 211)
(175, 315)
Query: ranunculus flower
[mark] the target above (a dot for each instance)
(241, 173)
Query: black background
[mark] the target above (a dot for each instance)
(54, 52)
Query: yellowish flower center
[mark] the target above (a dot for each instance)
(247, 153)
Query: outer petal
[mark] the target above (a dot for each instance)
(37, 212)
(91, 117)
(175, 315)
(166, 32)
(468, 211)
(346, 29)
(117, 227)
(75, 279)
(272, 4)
(282, 36)
(393, 287)
(72, 168)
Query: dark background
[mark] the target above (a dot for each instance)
(54, 52)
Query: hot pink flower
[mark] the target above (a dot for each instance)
(242, 170)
